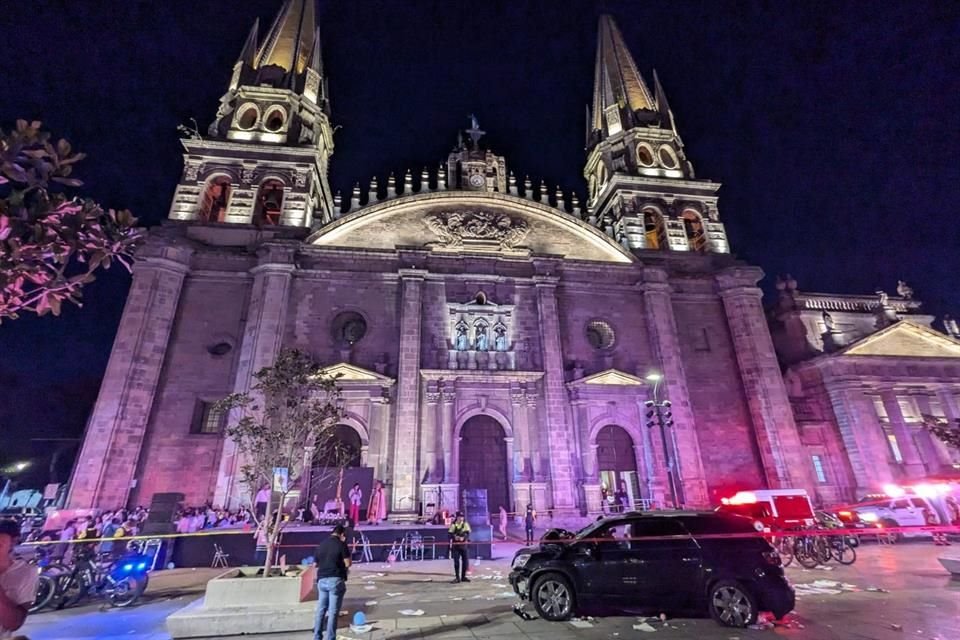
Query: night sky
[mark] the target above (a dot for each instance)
(832, 126)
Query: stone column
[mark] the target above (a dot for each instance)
(518, 403)
(429, 440)
(912, 465)
(262, 339)
(949, 401)
(864, 442)
(448, 406)
(107, 462)
(933, 455)
(380, 435)
(554, 391)
(408, 395)
(665, 345)
(785, 461)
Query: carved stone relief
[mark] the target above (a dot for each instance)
(477, 229)
(480, 335)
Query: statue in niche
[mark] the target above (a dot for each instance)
(829, 322)
(461, 342)
(500, 341)
(481, 338)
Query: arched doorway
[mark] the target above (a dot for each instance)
(617, 462)
(340, 447)
(483, 460)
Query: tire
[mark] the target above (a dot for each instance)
(46, 590)
(805, 554)
(853, 541)
(127, 590)
(70, 590)
(553, 597)
(844, 554)
(732, 604)
(785, 549)
(892, 538)
(823, 548)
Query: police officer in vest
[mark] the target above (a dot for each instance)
(459, 538)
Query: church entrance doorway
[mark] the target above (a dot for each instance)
(335, 468)
(483, 460)
(617, 461)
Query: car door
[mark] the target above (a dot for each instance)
(599, 562)
(663, 564)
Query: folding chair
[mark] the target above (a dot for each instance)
(219, 557)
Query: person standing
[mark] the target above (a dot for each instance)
(503, 522)
(459, 538)
(529, 519)
(18, 581)
(377, 507)
(355, 496)
(260, 503)
(933, 520)
(332, 559)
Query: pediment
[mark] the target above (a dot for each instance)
(611, 377)
(454, 222)
(906, 339)
(346, 372)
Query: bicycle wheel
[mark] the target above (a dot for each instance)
(785, 549)
(822, 547)
(844, 553)
(127, 590)
(805, 554)
(46, 590)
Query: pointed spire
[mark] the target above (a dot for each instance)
(666, 115)
(617, 82)
(290, 42)
(316, 58)
(249, 50)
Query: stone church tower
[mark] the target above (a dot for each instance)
(489, 334)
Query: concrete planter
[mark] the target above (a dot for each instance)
(239, 603)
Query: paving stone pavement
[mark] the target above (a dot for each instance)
(919, 601)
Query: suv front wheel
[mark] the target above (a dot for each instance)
(732, 604)
(553, 597)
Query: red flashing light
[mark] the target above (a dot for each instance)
(743, 497)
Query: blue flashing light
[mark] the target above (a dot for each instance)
(128, 567)
(142, 566)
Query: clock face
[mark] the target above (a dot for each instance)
(477, 180)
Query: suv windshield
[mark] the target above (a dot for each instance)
(593, 526)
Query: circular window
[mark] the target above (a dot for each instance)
(348, 328)
(220, 349)
(248, 117)
(275, 119)
(645, 156)
(600, 334)
(667, 158)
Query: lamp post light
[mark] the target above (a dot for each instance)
(659, 414)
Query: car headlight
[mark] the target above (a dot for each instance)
(869, 517)
(521, 561)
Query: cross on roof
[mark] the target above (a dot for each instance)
(474, 131)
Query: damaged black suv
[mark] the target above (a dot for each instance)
(670, 561)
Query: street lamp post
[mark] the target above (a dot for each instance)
(658, 413)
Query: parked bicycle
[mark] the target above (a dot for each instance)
(120, 582)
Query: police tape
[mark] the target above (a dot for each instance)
(871, 532)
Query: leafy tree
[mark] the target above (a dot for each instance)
(948, 432)
(292, 408)
(51, 244)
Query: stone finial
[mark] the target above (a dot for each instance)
(442, 178)
(513, 184)
(541, 193)
(527, 188)
(424, 180)
(951, 327)
(575, 203)
(407, 183)
(337, 200)
(355, 197)
(391, 186)
(372, 193)
(558, 194)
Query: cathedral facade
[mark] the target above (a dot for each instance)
(488, 333)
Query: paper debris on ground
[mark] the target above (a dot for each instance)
(394, 594)
(505, 594)
(876, 590)
(643, 626)
(370, 603)
(411, 612)
(370, 587)
(581, 624)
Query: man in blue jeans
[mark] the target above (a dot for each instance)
(332, 558)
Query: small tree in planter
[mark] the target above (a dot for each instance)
(292, 406)
(946, 431)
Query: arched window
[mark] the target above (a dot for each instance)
(653, 229)
(269, 203)
(696, 234)
(216, 198)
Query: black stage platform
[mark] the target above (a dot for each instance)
(299, 542)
